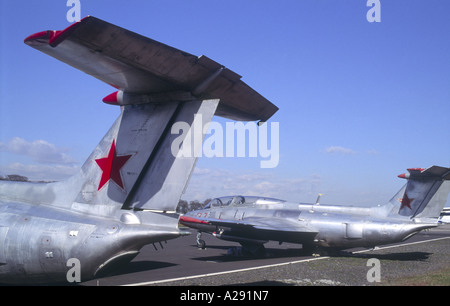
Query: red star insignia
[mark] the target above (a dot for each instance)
(406, 201)
(111, 166)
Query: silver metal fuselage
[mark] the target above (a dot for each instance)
(331, 226)
(36, 241)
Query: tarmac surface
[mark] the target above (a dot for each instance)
(424, 259)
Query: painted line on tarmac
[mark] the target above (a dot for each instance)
(273, 265)
(225, 272)
(400, 245)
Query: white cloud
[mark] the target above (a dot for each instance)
(41, 172)
(339, 150)
(46, 161)
(210, 183)
(39, 151)
(348, 151)
(372, 152)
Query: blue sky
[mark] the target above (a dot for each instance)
(359, 102)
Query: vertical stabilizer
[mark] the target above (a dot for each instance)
(164, 179)
(134, 166)
(426, 192)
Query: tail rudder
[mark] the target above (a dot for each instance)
(133, 164)
(426, 192)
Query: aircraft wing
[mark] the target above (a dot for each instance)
(136, 64)
(251, 224)
(267, 224)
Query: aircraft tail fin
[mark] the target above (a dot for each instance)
(426, 192)
(135, 166)
(140, 163)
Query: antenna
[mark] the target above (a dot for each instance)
(318, 199)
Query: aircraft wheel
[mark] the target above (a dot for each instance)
(201, 244)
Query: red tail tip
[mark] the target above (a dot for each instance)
(410, 170)
(111, 99)
(416, 169)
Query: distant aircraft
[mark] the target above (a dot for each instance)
(121, 198)
(253, 221)
(445, 215)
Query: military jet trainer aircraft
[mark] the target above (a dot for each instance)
(118, 201)
(253, 221)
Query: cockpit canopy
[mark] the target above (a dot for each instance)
(239, 201)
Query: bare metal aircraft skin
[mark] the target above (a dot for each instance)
(120, 199)
(253, 221)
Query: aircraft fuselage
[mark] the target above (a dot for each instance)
(339, 227)
(37, 241)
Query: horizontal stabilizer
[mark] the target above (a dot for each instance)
(136, 64)
(434, 172)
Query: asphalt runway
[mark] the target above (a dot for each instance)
(181, 263)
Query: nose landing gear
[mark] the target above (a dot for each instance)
(201, 244)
